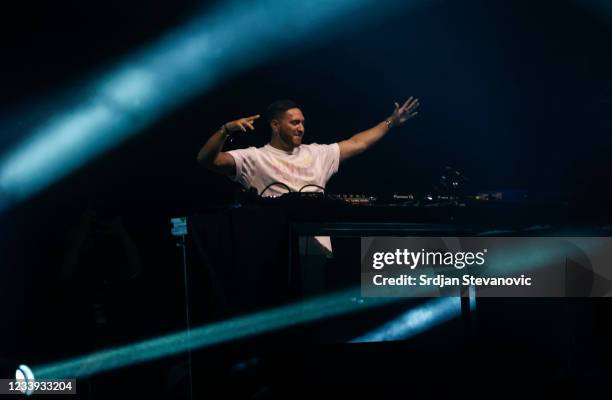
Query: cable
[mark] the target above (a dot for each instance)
(183, 246)
(272, 184)
(312, 184)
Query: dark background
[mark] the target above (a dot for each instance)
(514, 94)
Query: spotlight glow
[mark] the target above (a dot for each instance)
(24, 373)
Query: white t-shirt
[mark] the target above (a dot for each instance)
(307, 164)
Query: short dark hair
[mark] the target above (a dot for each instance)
(278, 107)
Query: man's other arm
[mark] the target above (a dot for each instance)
(210, 155)
(362, 141)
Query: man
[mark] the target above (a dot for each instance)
(285, 163)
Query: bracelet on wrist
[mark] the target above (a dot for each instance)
(389, 123)
(225, 131)
(227, 135)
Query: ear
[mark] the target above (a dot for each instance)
(274, 125)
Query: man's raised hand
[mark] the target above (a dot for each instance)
(241, 125)
(405, 112)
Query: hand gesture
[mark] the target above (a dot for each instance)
(405, 112)
(241, 125)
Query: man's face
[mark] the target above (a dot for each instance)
(290, 127)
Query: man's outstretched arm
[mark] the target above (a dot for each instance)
(361, 141)
(211, 156)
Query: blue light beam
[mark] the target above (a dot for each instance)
(316, 309)
(415, 321)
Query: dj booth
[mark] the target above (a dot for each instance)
(246, 257)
